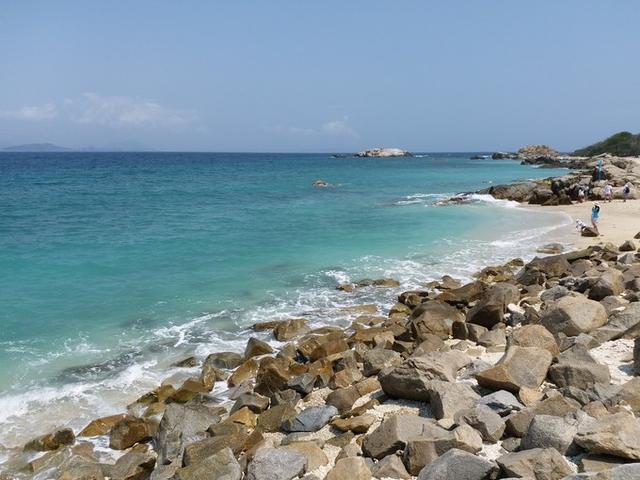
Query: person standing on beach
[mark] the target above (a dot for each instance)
(626, 190)
(595, 217)
(581, 195)
(608, 193)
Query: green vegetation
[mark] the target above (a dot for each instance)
(621, 144)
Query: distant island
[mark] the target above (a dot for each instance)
(622, 144)
(36, 147)
(383, 152)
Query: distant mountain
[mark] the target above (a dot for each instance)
(622, 144)
(36, 147)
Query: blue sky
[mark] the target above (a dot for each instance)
(318, 76)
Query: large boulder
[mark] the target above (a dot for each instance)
(611, 282)
(222, 465)
(492, 306)
(458, 464)
(276, 464)
(412, 379)
(224, 360)
(434, 441)
(434, 318)
(447, 398)
(310, 419)
(548, 431)
(127, 432)
(393, 433)
(352, 468)
(182, 424)
(133, 466)
(391, 467)
(617, 434)
(534, 336)
(51, 441)
(574, 315)
(519, 367)
(518, 422)
(289, 329)
(579, 373)
(537, 463)
(487, 422)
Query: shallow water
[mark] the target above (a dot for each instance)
(114, 265)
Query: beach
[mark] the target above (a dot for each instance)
(395, 363)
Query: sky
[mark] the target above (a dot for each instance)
(302, 76)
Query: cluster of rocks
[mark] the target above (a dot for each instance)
(592, 176)
(383, 152)
(498, 378)
(531, 154)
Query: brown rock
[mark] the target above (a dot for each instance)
(51, 441)
(537, 463)
(101, 426)
(434, 318)
(127, 432)
(534, 336)
(358, 424)
(256, 348)
(246, 371)
(352, 468)
(271, 420)
(574, 315)
(290, 329)
(519, 367)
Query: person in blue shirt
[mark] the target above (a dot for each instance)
(595, 217)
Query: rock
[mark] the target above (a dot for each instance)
(546, 431)
(51, 441)
(609, 283)
(320, 184)
(133, 466)
(210, 375)
(434, 318)
(599, 463)
(352, 468)
(501, 402)
(226, 360)
(534, 336)
(127, 432)
(587, 231)
(253, 401)
(457, 464)
(359, 424)
(289, 329)
(434, 441)
(551, 248)
(552, 266)
(221, 465)
(636, 356)
(188, 362)
(538, 464)
(392, 434)
(316, 458)
(463, 295)
(488, 423)
(243, 373)
(271, 420)
(196, 452)
(519, 367)
(377, 359)
(627, 246)
(390, 467)
(272, 376)
(182, 424)
(518, 422)
(310, 419)
(617, 435)
(303, 384)
(256, 347)
(383, 152)
(492, 306)
(574, 315)
(579, 374)
(554, 293)
(493, 338)
(343, 398)
(276, 464)
(101, 426)
(447, 398)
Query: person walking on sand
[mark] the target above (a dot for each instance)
(581, 195)
(608, 193)
(626, 190)
(595, 217)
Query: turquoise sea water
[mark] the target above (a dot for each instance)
(114, 265)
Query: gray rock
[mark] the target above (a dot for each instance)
(502, 402)
(519, 367)
(459, 465)
(393, 433)
(221, 466)
(276, 464)
(554, 293)
(377, 359)
(490, 425)
(434, 441)
(310, 419)
(448, 398)
(492, 306)
(538, 464)
(574, 315)
(547, 431)
(534, 336)
(390, 467)
(353, 468)
(518, 422)
(253, 401)
(610, 282)
(133, 465)
(579, 374)
(182, 424)
(302, 384)
(617, 435)
(493, 338)
(434, 318)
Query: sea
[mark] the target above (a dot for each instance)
(113, 266)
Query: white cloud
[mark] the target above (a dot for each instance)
(336, 128)
(31, 113)
(117, 111)
(339, 127)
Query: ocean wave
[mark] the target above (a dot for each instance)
(421, 198)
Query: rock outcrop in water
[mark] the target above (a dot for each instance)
(526, 372)
(383, 152)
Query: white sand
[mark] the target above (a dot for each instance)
(618, 356)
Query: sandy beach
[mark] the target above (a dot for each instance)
(619, 221)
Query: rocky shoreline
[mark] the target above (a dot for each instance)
(526, 372)
(529, 371)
